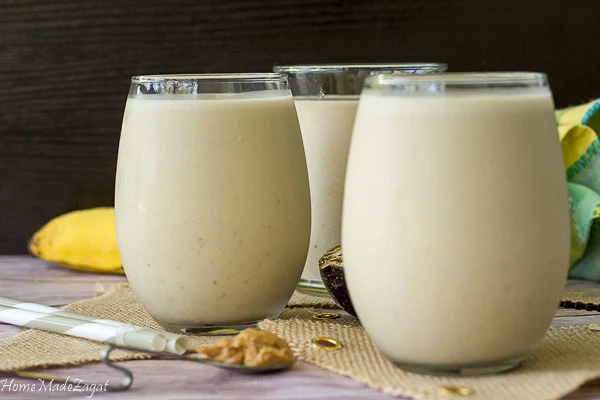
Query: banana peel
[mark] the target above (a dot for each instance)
(84, 240)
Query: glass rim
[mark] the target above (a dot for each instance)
(464, 79)
(240, 77)
(304, 68)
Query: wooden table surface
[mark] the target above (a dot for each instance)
(28, 279)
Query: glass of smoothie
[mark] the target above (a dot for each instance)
(326, 98)
(212, 199)
(456, 219)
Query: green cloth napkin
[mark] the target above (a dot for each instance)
(578, 129)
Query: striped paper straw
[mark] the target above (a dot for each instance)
(38, 316)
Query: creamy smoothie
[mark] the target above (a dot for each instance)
(326, 127)
(326, 97)
(456, 226)
(212, 205)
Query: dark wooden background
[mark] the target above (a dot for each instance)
(65, 68)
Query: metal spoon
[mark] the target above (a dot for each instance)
(199, 358)
(127, 379)
(125, 383)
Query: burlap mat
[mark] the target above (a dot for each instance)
(567, 357)
(580, 296)
(305, 300)
(33, 349)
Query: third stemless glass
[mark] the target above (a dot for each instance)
(455, 222)
(212, 199)
(326, 97)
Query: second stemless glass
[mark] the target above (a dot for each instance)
(456, 220)
(212, 199)
(326, 98)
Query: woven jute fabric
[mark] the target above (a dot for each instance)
(580, 296)
(32, 348)
(306, 300)
(567, 357)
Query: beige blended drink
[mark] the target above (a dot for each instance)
(326, 98)
(326, 127)
(212, 198)
(456, 222)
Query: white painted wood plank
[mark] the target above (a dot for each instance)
(34, 280)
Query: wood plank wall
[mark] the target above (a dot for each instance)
(65, 67)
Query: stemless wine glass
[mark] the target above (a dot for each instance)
(455, 223)
(212, 199)
(326, 97)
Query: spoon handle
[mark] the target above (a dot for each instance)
(198, 358)
(105, 386)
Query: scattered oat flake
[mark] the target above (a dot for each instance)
(99, 290)
(595, 327)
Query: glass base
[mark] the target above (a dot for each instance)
(474, 370)
(210, 330)
(312, 287)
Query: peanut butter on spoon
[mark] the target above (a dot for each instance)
(251, 347)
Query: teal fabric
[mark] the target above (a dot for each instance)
(588, 171)
(583, 203)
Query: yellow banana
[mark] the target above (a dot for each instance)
(84, 240)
